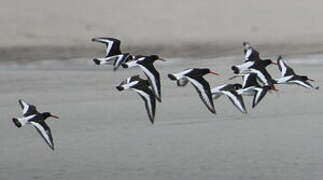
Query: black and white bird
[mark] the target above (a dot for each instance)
(288, 76)
(195, 76)
(36, 119)
(250, 54)
(114, 55)
(256, 67)
(230, 90)
(251, 87)
(146, 63)
(141, 86)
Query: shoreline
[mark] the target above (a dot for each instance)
(25, 54)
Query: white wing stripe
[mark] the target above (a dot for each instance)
(147, 97)
(152, 78)
(261, 76)
(301, 83)
(26, 107)
(42, 131)
(203, 93)
(235, 100)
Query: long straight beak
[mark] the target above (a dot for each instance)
(161, 59)
(274, 63)
(214, 73)
(53, 116)
(311, 80)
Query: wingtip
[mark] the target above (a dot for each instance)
(213, 111)
(16, 122)
(151, 119)
(171, 77)
(97, 62)
(158, 99)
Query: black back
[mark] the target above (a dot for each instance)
(250, 80)
(148, 62)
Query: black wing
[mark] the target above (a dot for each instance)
(45, 132)
(27, 109)
(149, 98)
(236, 100)
(112, 45)
(259, 95)
(153, 77)
(302, 83)
(249, 80)
(204, 91)
(122, 58)
(284, 68)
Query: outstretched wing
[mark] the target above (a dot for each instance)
(27, 109)
(302, 83)
(150, 102)
(45, 132)
(249, 80)
(263, 76)
(203, 89)
(236, 100)
(112, 45)
(284, 68)
(154, 78)
(259, 95)
(120, 60)
(105, 60)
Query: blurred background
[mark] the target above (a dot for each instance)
(41, 29)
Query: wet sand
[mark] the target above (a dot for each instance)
(45, 53)
(43, 29)
(105, 134)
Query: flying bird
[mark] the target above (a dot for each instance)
(230, 90)
(146, 63)
(250, 54)
(195, 76)
(36, 119)
(251, 87)
(114, 55)
(256, 67)
(288, 76)
(141, 86)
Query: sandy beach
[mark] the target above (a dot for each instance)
(105, 134)
(42, 29)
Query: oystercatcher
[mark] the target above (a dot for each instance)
(250, 54)
(114, 55)
(230, 90)
(288, 76)
(257, 67)
(146, 63)
(141, 86)
(36, 119)
(195, 76)
(251, 87)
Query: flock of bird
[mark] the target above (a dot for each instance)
(257, 81)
